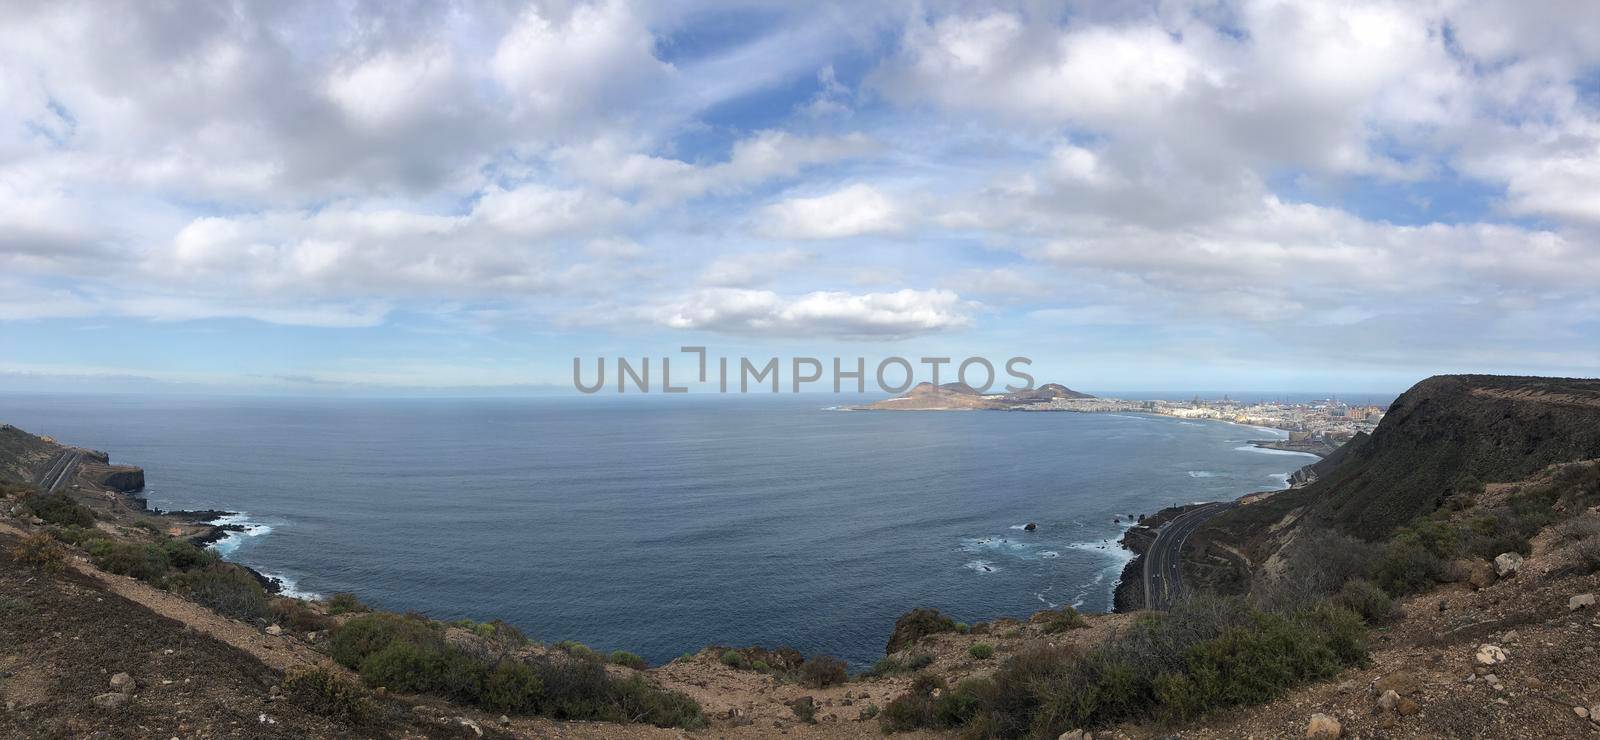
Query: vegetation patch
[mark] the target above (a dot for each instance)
(408, 653)
(325, 692)
(41, 551)
(225, 589)
(1207, 654)
(345, 603)
(58, 508)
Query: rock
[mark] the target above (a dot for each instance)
(471, 725)
(1478, 573)
(111, 700)
(274, 630)
(1407, 707)
(124, 683)
(1388, 701)
(504, 720)
(1490, 655)
(1582, 712)
(1029, 527)
(1580, 601)
(1507, 564)
(1400, 682)
(1322, 727)
(1073, 735)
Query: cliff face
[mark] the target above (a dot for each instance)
(21, 454)
(1489, 428)
(1442, 431)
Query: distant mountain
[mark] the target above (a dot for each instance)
(963, 397)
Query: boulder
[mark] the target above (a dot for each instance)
(1030, 526)
(1401, 682)
(1323, 727)
(1477, 573)
(1582, 712)
(274, 630)
(1581, 601)
(124, 683)
(1407, 707)
(1075, 735)
(1490, 655)
(111, 700)
(1388, 701)
(1507, 564)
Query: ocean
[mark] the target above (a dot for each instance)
(661, 525)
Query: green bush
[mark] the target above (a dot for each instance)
(297, 615)
(915, 625)
(733, 659)
(1063, 619)
(40, 551)
(1366, 599)
(981, 650)
(1205, 655)
(345, 603)
(625, 658)
(145, 562)
(408, 653)
(325, 692)
(15, 606)
(920, 707)
(822, 671)
(804, 709)
(511, 688)
(760, 666)
(400, 666)
(226, 589)
(892, 666)
(73, 534)
(1588, 553)
(1406, 567)
(184, 555)
(58, 508)
(370, 633)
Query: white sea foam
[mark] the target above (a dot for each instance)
(981, 566)
(1202, 474)
(1281, 478)
(1266, 451)
(1049, 554)
(290, 586)
(228, 544)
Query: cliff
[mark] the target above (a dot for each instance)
(1446, 432)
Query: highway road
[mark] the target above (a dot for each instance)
(1163, 579)
(60, 470)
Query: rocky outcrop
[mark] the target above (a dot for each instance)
(124, 478)
(915, 625)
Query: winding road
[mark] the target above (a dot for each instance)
(1163, 577)
(60, 470)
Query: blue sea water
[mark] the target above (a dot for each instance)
(663, 525)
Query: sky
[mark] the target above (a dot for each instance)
(440, 198)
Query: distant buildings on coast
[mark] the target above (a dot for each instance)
(1329, 420)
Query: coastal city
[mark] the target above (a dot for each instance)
(1315, 426)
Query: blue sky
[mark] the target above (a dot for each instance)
(448, 198)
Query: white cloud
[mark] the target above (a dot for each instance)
(902, 313)
(856, 210)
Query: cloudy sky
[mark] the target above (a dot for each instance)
(370, 196)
